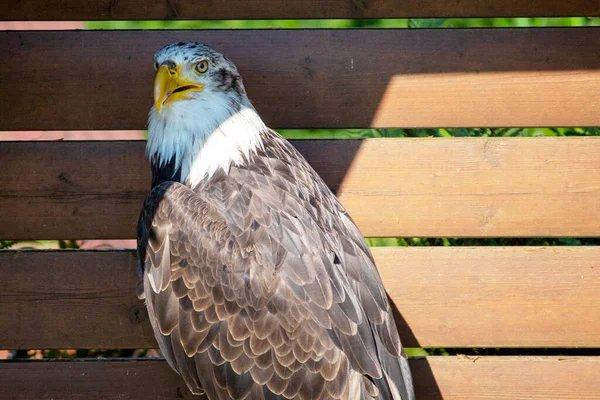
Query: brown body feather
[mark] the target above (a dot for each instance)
(260, 286)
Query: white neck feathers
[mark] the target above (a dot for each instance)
(203, 136)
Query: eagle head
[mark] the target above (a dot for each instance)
(194, 72)
(201, 120)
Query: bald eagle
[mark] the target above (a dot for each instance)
(258, 283)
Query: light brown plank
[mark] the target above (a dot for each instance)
(446, 297)
(469, 187)
(374, 78)
(495, 296)
(68, 10)
(435, 378)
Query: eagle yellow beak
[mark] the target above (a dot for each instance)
(170, 87)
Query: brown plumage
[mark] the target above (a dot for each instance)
(257, 282)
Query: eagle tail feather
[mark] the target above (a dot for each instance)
(396, 382)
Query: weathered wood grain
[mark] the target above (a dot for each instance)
(469, 187)
(75, 80)
(76, 10)
(435, 378)
(446, 297)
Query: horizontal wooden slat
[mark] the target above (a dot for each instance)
(494, 296)
(374, 78)
(435, 378)
(446, 297)
(463, 187)
(76, 10)
(82, 299)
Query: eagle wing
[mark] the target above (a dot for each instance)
(259, 285)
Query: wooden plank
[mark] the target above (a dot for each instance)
(494, 296)
(75, 10)
(435, 378)
(68, 299)
(446, 297)
(463, 187)
(374, 78)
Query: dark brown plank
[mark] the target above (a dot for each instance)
(435, 378)
(71, 300)
(374, 78)
(446, 297)
(69, 10)
(465, 187)
(72, 189)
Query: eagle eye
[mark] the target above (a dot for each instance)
(156, 65)
(201, 67)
